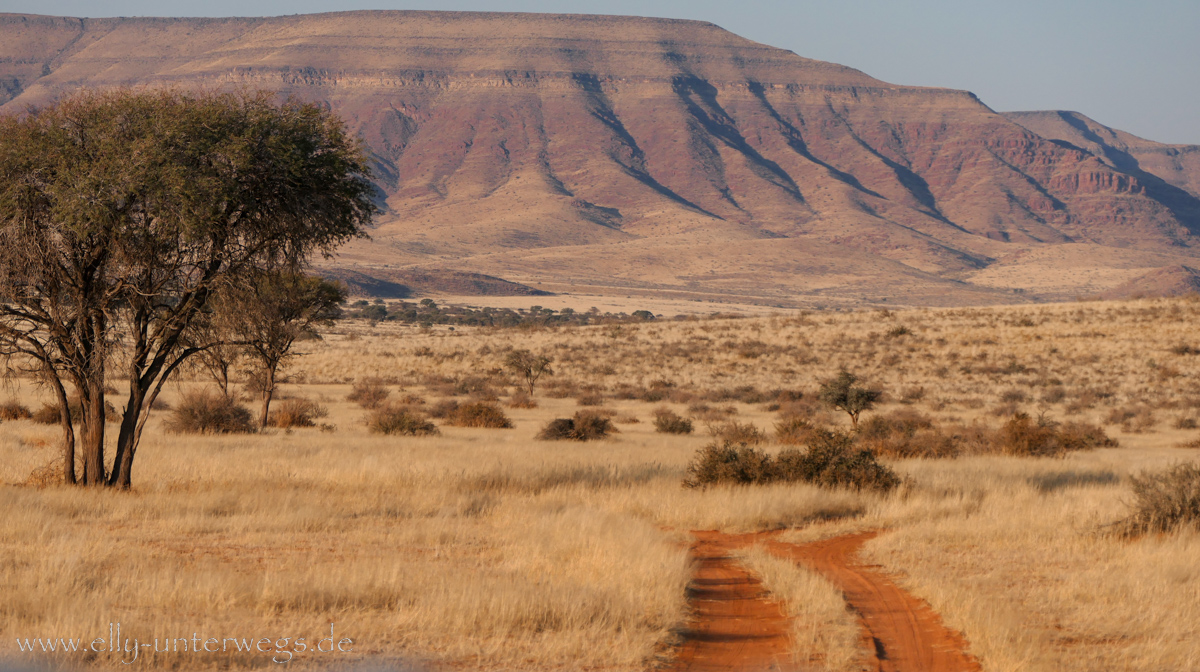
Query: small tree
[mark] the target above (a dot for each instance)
(842, 393)
(269, 315)
(529, 366)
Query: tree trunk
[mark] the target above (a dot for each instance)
(267, 393)
(127, 438)
(92, 399)
(68, 427)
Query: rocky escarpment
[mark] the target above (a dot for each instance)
(631, 152)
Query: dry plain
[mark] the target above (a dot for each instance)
(490, 549)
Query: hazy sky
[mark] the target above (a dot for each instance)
(1130, 65)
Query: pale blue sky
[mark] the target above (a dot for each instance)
(1130, 65)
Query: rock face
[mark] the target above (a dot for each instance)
(617, 152)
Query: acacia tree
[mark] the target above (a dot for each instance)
(120, 214)
(843, 393)
(529, 366)
(268, 315)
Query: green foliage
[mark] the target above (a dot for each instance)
(844, 394)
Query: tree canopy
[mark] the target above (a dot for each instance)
(123, 212)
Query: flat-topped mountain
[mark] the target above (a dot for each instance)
(621, 153)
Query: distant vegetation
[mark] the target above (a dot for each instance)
(428, 312)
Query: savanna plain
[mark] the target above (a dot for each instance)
(1019, 436)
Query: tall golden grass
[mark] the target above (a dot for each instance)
(488, 549)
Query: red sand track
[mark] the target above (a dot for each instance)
(736, 626)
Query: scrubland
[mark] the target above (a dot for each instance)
(487, 548)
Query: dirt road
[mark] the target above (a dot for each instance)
(737, 625)
(901, 632)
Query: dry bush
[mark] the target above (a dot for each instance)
(667, 421)
(298, 412)
(1164, 502)
(1054, 394)
(794, 430)
(585, 426)
(11, 410)
(479, 414)
(904, 434)
(1186, 422)
(911, 395)
(831, 461)
(1133, 420)
(206, 412)
(48, 414)
(521, 399)
(369, 393)
(590, 399)
(46, 475)
(737, 432)
(702, 411)
(727, 462)
(396, 419)
(443, 409)
(1023, 436)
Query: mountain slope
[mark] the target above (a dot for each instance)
(628, 152)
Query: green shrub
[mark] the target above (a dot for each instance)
(667, 421)
(204, 412)
(1164, 502)
(479, 414)
(396, 419)
(297, 413)
(585, 426)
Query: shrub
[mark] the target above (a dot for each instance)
(479, 414)
(368, 393)
(204, 412)
(396, 419)
(728, 462)
(443, 409)
(738, 432)
(667, 421)
(1023, 436)
(297, 413)
(521, 399)
(590, 399)
(11, 410)
(832, 461)
(904, 434)
(794, 430)
(48, 413)
(585, 426)
(1165, 501)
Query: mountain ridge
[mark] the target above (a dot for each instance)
(636, 152)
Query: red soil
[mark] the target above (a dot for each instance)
(737, 625)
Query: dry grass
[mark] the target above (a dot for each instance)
(484, 548)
